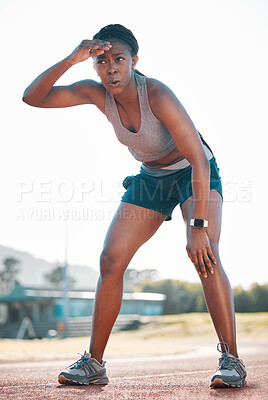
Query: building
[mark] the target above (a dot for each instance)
(44, 308)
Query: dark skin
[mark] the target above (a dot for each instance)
(115, 66)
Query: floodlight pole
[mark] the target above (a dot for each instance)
(66, 284)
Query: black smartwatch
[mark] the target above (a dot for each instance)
(199, 223)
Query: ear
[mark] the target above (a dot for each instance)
(135, 59)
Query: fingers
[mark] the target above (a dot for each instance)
(88, 48)
(96, 47)
(194, 259)
(96, 52)
(202, 261)
(211, 255)
(207, 260)
(199, 263)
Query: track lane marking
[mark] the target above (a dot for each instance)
(128, 378)
(162, 375)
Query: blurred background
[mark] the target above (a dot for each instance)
(62, 169)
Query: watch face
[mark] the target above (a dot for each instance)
(199, 222)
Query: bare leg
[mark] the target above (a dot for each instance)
(131, 227)
(217, 289)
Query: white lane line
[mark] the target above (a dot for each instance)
(25, 396)
(181, 373)
(27, 386)
(162, 375)
(116, 379)
(133, 377)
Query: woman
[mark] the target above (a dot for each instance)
(177, 167)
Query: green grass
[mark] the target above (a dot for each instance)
(253, 325)
(167, 334)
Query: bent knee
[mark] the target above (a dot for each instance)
(214, 247)
(111, 263)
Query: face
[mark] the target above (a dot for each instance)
(115, 67)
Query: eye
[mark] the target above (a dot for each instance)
(101, 61)
(120, 59)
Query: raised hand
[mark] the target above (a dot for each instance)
(87, 49)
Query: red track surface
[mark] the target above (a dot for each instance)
(182, 376)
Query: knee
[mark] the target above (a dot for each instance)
(214, 247)
(111, 264)
(218, 268)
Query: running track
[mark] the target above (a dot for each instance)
(181, 376)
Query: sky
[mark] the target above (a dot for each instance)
(62, 169)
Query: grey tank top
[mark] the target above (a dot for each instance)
(153, 140)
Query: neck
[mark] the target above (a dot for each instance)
(130, 94)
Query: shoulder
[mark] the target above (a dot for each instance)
(161, 98)
(94, 92)
(156, 88)
(167, 107)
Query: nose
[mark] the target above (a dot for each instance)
(112, 69)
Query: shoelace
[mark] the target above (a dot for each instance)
(80, 363)
(225, 360)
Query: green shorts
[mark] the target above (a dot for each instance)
(165, 193)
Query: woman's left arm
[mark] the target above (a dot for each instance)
(171, 113)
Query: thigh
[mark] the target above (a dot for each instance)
(131, 226)
(214, 216)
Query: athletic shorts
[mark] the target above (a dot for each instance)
(163, 194)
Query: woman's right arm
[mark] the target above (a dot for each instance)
(43, 93)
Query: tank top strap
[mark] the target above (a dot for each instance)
(142, 92)
(109, 106)
(143, 96)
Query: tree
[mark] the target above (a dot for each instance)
(184, 297)
(8, 274)
(181, 297)
(134, 277)
(259, 297)
(56, 277)
(243, 302)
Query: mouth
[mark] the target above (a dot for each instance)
(114, 83)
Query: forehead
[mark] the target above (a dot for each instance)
(118, 46)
